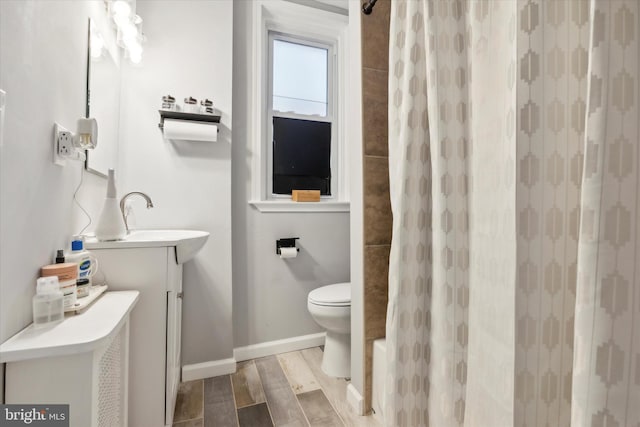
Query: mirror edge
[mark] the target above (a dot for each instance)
(87, 105)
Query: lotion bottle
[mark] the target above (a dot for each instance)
(111, 224)
(79, 255)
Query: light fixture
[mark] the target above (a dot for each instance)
(128, 28)
(97, 43)
(122, 8)
(135, 56)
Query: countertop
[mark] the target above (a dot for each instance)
(77, 333)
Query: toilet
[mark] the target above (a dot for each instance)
(330, 307)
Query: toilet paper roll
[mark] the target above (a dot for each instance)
(190, 131)
(288, 253)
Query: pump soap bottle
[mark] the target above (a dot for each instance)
(111, 224)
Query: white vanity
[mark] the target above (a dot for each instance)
(150, 261)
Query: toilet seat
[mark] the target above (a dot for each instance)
(337, 295)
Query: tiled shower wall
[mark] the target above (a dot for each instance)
(377, 207)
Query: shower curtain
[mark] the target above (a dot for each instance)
(514, 162)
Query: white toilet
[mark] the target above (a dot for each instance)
(330, 307)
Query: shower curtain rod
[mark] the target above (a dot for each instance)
(367, 7)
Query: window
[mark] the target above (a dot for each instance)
(301, 155)
(299, 81)
(299, 76)
(300, 112)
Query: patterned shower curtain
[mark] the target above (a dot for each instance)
(514, 161)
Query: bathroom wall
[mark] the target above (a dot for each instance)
(270, 294)
(357, 209)
(43, 60)
(188, 53)
(377, 206)
(200, 49)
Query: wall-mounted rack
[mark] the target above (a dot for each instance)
(192, 117)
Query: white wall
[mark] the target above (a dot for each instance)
(43, 47)
(188, 53)
(270, 294)
(356, 151)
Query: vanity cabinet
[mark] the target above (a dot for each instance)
(155, 326)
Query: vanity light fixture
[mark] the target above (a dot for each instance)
(96, 48)
(128, 27)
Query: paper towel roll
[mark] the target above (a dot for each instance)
(288, 253)
(190, 131)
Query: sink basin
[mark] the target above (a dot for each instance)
(186, 242)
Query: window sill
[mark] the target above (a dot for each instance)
(289, 206)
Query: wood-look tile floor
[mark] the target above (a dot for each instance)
(289, 389)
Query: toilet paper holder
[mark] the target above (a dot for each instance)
(289, 242)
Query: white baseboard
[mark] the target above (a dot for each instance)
(355, 399)
(214, 368)
(279, 346)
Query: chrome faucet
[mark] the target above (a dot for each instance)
(124, 199)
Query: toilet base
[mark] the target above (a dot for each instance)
(336, 361)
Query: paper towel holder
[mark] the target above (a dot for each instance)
(191, 117)
(289, 242)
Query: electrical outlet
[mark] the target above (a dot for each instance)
(65, 144)
(62, 145)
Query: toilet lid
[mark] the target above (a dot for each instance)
(338, 294)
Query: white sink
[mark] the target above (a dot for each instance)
(186, 242)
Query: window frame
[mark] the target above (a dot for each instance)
(329, 118)
(314, 27)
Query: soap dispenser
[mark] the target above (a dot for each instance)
(111, 224)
